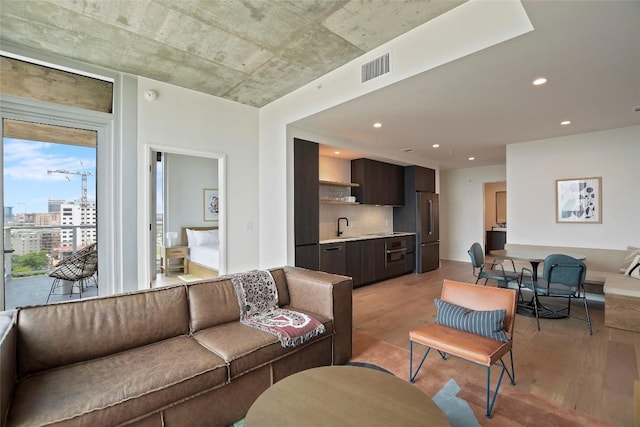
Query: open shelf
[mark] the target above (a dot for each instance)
(339, 184)
(337, 202)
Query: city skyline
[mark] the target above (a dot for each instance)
(28, 186)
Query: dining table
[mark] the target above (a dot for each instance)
(534, 257)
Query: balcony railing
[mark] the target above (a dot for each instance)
(56, 248)
(32, 287)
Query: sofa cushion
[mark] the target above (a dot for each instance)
(632, 253)
(212, 303)
(634, 268)
(245, 348)
(119, 387)
(489, 323)
(61, 334)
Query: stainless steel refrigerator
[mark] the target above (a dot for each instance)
(428, 235)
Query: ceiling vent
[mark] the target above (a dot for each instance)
(376, 68)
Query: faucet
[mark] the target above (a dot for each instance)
(346, 219)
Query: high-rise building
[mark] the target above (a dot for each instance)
(54, 205)
(77, 214)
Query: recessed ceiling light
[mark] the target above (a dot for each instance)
(336, 152)
(377, 125)
(539, 81)
(566, 122)
(436, 145)
(472, 158)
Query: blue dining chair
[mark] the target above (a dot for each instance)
(563, 277)
(491, 270)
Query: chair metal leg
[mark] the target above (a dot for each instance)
(512, 376)
(535, 308)
(586, 310)
(495, 393)
(513, 369)
(412, 375)
(54, 285)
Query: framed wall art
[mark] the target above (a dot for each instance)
(579, 200)
(211, 204)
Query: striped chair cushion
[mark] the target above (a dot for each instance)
(486, 323)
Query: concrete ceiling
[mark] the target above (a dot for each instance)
(254, 52)
(249, 51)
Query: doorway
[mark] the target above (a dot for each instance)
(495, 215)
(178, 184)
(50, 211)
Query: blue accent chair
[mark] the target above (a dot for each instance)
(563, 277)
(491, 270)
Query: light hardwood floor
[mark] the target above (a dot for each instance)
(561, 362)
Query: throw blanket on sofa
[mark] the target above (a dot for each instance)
(258, 299)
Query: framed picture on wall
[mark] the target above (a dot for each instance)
(579, 200)
(211, 204)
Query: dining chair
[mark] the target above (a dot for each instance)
(563, 277)
(473, 323)
(491, 270)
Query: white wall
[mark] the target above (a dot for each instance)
(533, 167)
(186, 177)
(442, 40)
(531, 170)
(193, 123)
(462, 208)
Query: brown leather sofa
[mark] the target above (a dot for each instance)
(172, 356)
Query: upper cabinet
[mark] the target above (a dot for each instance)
(380, 183)
(420, 179)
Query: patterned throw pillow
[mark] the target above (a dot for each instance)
(486, 323)
(634, 268)
(628, 258)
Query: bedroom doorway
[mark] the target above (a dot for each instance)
(180, 192)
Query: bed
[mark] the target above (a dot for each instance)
(204, 251)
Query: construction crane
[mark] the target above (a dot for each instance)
(83, 174)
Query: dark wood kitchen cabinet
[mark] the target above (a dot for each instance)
(306, 203)
(495, 240)
(354, 259)
(372, 260)
(380, 183)
(417, 178)
(333, 258)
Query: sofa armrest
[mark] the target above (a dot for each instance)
(8, 337)
(328, 295)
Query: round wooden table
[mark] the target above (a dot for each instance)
(343, 396)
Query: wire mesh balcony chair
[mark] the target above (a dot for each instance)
(80, 269)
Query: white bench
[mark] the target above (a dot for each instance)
(621, 293)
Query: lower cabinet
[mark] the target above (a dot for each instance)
(333, 258)
(495, 240)
(354, 256)
(372, 268)
(371, 260)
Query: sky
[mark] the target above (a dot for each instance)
(28, 186)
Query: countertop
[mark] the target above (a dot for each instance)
(366, 237)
